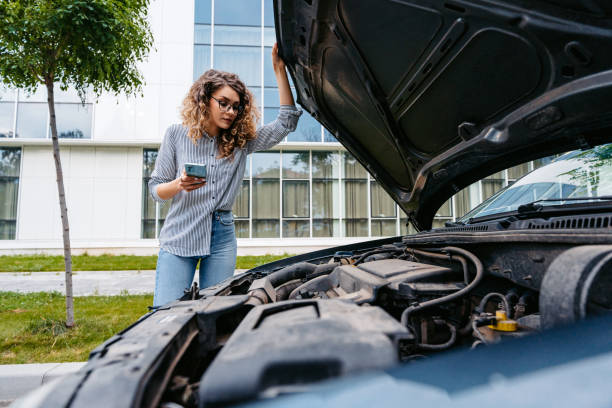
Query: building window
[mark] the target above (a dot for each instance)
(10, 163)
(328, 137)
(238, 12)
(203, 10)
(492, 184)
(241, 60)
(308, 130)
(268, 13)
(241, 209)
(202, 38)
(406, 227)
(296, 194)
(325, 194)
(201, 60)
(516, 172)
(8, 101)
(153, 213)
(32, 120)
(237, 35)
(266, 194)
(272, 102)
(464, 201)
(27, 115)
(269, 37)
(446, 210)
(7, 113)
(269, 77)
(542, 162)
(355, 189)
(444, 214)
(73, 120)
(383, 208)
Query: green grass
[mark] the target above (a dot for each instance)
(48, 263)
(32, 326)
(250, 261)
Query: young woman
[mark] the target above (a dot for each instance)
(218, 130)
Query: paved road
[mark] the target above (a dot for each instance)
(84, 283)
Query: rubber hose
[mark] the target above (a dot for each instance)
(478, 333)
(427, 254)
(303, 286)
(479, 274)
(376, 251)
(323, 269)
(485, 300)
(447, 344)
(291, 272)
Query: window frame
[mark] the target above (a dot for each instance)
(17, 199)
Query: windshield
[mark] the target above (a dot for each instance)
(577, 174)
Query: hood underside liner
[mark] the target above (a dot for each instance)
(431, 96)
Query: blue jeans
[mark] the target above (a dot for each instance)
(175, 273)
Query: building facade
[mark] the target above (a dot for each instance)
(305, 193)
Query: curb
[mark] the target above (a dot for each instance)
(17, 380)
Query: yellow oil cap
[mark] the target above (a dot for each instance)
(500, 315)
(503, 323)
(506, 325)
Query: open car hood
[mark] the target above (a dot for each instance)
(432, 95)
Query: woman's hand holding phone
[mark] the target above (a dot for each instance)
(188, 183)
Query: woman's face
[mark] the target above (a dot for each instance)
(223, 107)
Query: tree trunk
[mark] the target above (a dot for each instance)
(62, 202)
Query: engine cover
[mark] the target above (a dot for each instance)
(294, 343)
(361, 283)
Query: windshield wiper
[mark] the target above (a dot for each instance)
(533, 206)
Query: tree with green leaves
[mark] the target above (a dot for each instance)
(89, 45)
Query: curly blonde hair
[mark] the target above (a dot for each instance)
(195, 111)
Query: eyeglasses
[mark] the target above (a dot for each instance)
(225, 107)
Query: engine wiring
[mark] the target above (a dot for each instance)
(306, 280)
(479, 274)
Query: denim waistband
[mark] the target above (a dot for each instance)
(221, 212)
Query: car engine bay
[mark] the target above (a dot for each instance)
(282, 327)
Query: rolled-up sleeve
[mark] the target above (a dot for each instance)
(272, 133)
(165, 164)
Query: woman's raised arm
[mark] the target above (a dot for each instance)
(286, 98)
(288, 115)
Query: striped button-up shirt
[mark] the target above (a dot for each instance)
(187, 228)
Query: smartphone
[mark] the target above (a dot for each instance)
(195, 170)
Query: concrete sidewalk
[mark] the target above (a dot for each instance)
(17, 380)
(84, 283)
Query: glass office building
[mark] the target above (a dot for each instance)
(308, 189)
